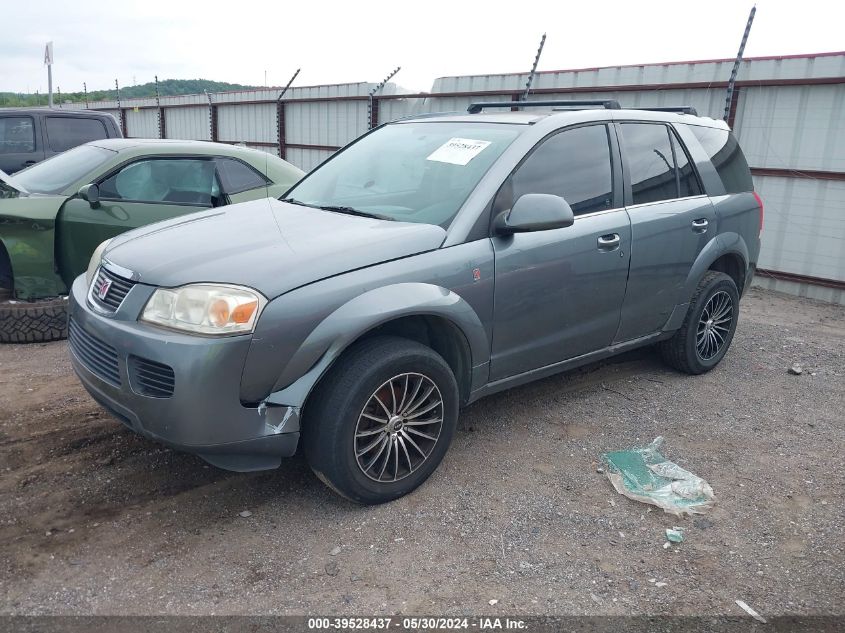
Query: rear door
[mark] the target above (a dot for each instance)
(65, 132)
(558, 293)
(671, 221)
(141, 192)
(20, 142)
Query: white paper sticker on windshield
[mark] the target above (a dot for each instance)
(458, 151)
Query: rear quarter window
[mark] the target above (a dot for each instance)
(236, 177)
(727, 157)
(17, 135)
(64, 133)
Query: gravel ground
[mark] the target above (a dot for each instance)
(96, 520)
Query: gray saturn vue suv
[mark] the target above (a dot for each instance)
(431, 262)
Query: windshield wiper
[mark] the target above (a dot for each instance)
(299, 202)
(352, 211)
(338, 209)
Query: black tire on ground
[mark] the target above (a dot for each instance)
(333, 411)
(681, 351)
(36, 322)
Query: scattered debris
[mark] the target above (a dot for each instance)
(335, 551)
(660, 584)
(796, 369)
(643, 474)
(667, 545)
(245, 514)
(493, 602)
(332, 568)
(742, 605)
(675, 535)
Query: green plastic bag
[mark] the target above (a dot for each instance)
(643, 474)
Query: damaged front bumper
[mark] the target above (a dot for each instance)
(178, 389)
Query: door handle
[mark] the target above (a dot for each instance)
(29, 162)
(700, 225)
(609, 242)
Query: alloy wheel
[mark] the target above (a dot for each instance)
(714, 325)
(398, 427)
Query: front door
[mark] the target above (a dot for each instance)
(671, 221)
(139, 193)
(558, 293)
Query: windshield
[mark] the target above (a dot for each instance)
(56, 174)
(411, 172)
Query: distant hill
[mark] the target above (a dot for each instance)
(166, 87)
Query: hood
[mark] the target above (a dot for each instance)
(11, 182)
(268, 245)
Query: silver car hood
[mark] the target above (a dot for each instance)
(268, 245)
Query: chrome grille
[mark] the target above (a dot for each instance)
(150, 378)
(99, 357)
(108, 290)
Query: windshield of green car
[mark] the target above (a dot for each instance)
(410, 172)
(56, 174)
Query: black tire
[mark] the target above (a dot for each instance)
(36, 322)
(681, 351)
(333, 411)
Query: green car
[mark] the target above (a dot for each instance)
(53, 215)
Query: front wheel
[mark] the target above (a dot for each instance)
(708, 328)
(381, 420)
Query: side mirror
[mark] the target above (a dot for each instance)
(90, 193)
(535, 212)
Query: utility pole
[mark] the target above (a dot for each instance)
(737, 62)
(48, 62)
(85, 93)
(533, 69)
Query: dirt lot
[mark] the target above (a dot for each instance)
(96, 520)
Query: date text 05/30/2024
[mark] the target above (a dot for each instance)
(417, 624)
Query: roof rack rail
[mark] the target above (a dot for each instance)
(428, 115)
(609, 104)
(678, 109)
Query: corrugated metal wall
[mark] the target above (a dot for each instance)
(789, 114)
(186, 123)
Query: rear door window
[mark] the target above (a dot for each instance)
(727, 157)
(17, 135)
(687, 178)
(236, 177)
(573, 164)
(170, 181)
(648, 148)
(66, 132)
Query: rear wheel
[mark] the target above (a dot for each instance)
(33, 322)
(708, 329)
(381, 421)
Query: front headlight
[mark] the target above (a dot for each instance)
(205, 309)
(95, 262)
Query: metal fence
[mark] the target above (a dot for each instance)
(788, 112)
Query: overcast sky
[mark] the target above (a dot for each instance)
(336, 42)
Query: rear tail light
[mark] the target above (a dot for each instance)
(760, 204)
